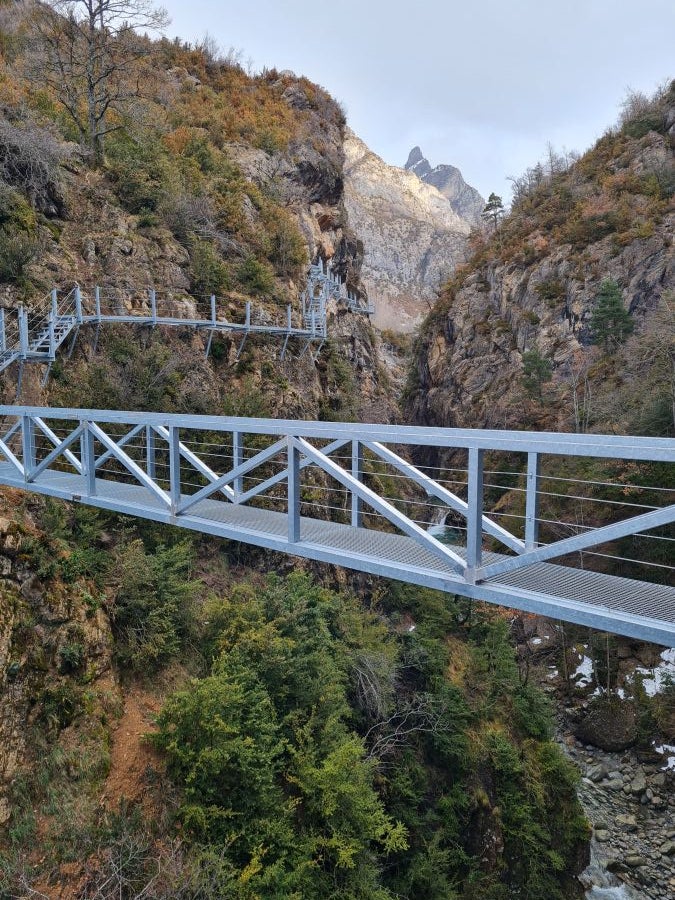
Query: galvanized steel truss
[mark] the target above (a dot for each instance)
(163, 467)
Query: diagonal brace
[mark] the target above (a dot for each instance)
(129, 464)
(130, 435)
(11, 457)
(433, 489)
(46, 430)
(454, 560)
(253, 463)
(282, 476)
(61, 448)
(634, 525)
(195, 462)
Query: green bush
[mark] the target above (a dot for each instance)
(152, 614)
(255, 277)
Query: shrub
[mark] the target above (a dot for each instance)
(152, 611)
(29, 159)
(17, 251)
(209, 274)
(255, 276)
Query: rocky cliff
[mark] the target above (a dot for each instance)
(533, 285)
(413, 238)
(464, 199)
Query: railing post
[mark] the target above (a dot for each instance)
(357, 473)
(23, 331)
(153, 305)
(78, 305)
(474, 519)
(150, 465)
(213, 308)
(97, 297)
(174, 468)
(52, 337)
(532, 501)
(88, 457)
(293, 492)
(237, 460)
(3, 339)
(55, 303)
(248, 313)
(289, 320)
(27, 446)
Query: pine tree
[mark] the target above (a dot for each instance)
(494, 210)
(536, 370)
(610, 322)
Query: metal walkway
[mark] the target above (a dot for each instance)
(36, 334)
(258, 481)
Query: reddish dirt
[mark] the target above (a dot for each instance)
(131, 757)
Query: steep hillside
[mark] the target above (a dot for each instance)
(529, 294)
(220, 183)
(464, 199)
(413, 239)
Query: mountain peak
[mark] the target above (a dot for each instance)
(464, 199)
(417, 163)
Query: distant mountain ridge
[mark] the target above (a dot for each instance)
(413, 239)
(464, 199)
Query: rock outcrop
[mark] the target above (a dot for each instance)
(532, 286)
(413, 238)
(466, 201)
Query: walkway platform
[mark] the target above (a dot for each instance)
(637, 609)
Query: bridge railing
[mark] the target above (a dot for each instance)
(506, 501)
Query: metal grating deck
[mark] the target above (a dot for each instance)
(624, 606)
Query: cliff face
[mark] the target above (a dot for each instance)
(464, 199)
(532, 286)
(412, 236)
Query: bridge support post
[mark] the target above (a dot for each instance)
(357, 473)
(78, 305)
(23, 331)
(237, 460)
(474, 519)
(150, 466)
(293, 492)
(532, 501)
(52, 337)
(88, 456)
(174, 468)
(3, 339)
(28, 446)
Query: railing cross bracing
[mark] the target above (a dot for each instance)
(349, 494)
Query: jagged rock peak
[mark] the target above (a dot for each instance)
(413, 239)
(417, 163)
(464, 199)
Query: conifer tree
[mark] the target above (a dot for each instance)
(610, 322)
(494, 210)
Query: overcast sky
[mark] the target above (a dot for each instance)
(481, 84)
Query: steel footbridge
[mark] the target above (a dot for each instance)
(540, 522)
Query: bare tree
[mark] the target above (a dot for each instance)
(87, 54)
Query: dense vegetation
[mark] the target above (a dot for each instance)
(319, 747)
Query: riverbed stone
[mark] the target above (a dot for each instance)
(627, 822)
(634, 860)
